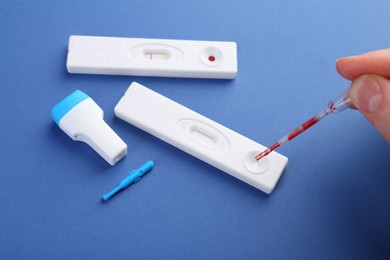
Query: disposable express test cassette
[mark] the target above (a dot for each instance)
(152, 57)
(200, 137)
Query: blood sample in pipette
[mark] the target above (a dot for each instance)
(336, 105)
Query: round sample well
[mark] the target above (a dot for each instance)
(254, 166)
(211, 56)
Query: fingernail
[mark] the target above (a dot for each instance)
(366, 94)
(344, 58)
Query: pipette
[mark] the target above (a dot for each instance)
(334, 106)
(134, 176)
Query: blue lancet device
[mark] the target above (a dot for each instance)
(82, 120)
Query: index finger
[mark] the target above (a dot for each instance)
(375, 62)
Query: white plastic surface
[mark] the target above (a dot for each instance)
(152, 57)
(85, 123)
(200, 137)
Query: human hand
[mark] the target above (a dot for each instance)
(370, 87)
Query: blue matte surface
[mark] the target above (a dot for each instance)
(332, 201)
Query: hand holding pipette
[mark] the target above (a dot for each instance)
(370, 88)
(335, 106)
(369, 93)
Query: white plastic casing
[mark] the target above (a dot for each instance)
(152, 57)
(85, 123)
(200, 137)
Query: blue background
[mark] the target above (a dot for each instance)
(332, 201)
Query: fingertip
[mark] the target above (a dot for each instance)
(353, 92)
(371, 95)
(375, 62)
(344, 67)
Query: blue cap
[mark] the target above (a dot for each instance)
(67, 104)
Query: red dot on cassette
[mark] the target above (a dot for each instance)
(211, 58)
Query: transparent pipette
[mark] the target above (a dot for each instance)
(334, 106)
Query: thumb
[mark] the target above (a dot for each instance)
(371, 95)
